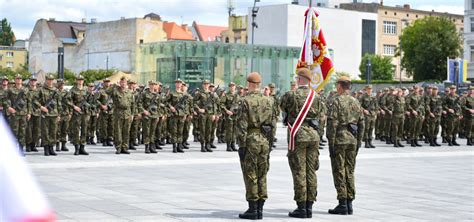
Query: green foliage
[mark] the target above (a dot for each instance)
(238, 79)
(7, 37)
(93, 75)
(69, 76)
(381, 82)
(10, 74)
(426, 44)
(382, 68)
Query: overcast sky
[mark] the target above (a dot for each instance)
(23, 14)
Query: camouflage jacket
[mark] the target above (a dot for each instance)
(451, 102)
(344, 111)
(296, 100)
(151, 102)
(207, 101)
(65, 98)
(370, 104)
(434, 105)
(176, 100)
(34, 98)
(123, 102)
(18, 100)
(467, 105)
(399, 106)
(51, 99)
(79, 99)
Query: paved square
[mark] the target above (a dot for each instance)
(392, 184)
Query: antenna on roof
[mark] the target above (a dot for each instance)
(230, 6)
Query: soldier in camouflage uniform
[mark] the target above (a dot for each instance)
(65, 113)
(468, 112)
(398, 117)
(136, 122)
(388, 108)
(177, 116)
(345, 131)
(444, 116)
(150, 107)
(50, 101)
(162, 119)
(93, 114)
(370, 108)
(426, 101)
(230, 107)
(188, 110)
(3, 93)
(255, 119)
(33, 131)
(106, 113)
(415, 112)
(205, 106)
(379, 132)
(304, 158)
(217, 113)
(276, 110)
(434, 110)
(18, 110)
(453, 111)
(80, 116)
(220, 132)
(123, 107)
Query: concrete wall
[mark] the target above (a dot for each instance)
(283, 25)
(43, 49)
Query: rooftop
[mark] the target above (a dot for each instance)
(208, 33)
(176, 32)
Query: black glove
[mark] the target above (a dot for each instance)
(242, 151)
(331, 151)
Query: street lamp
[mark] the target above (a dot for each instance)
(61, 62)
(456, 73)
(368, 70)
(254, 25)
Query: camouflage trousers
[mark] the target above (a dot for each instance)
(106, 121)
(135, 129)
(387, 125)
(93, 122)
(149, 129)
(397, 127)
(452, 124)
(160, 128)
(415, 124)
(63, 128)
(18, 125)
(213, 131)
(79, 124)
(186, 129)
(33, 131)
(220, 131)
(304, 162)
(196, 131)
(443, 125)
(205, 128)
(369, 127)
(122, 132)
(254, 161)
(230, 135)
(175, 127)
(50, 125)
(432, 125)
(343, 165)
(468, 127)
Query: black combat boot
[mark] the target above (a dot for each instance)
(232, 146)
(370, 144)
(212, 145)
(472, 141)
(309, 209)
(63, 146)
(228, 147)
(382, 138)
(395, 144)
(203, 148)
(92, 141)
(162, 142)
(51, 151)
(208, 147)
(168, 141)
(76, 149)
(196, 139)
(125, 151)
(28, 148)
(412, 143)
(444, 140)
(450, 142)
(400, 144)
(341, 208)
(184, 146)
(387, 140)
(431, 140)
(300, 211)
(46, 151)
(104, 142)
(175, 150)
(186, 143)
(454, 141)
(88, 141)
(180, 147)
(147, 148)
(109, 142)
(153, 148)
(435, 141)
(349, 207)
(57, 147)
(427, 140)
(366, 144)
(33, 148)
(260, 204)
(82, 150)
(251, 213)
(134, 143)
(416, 143)
(22, 152)
(131, 147)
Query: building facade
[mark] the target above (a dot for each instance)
(349, 34)
(390, 24)
(237, 30)
(12, 57)
(469, 37)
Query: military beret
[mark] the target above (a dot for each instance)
(434, 87)
(33, 78)
(231, 84)
(79, 77)
(343, 79)
(184, 84)
(452, 87)
(304, 72)
(271, 85)
(106, 80)
(50, 77)
(90, 85)
(404, 88)
(385, 89)
(151, 82)
(391, 88)
(254, 77)
(18, 76)
(212, 85)
(292, 83)
(206, 82)
(368, 86)
(123, 78)
(4, 78)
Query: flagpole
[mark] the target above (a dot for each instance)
(310, 1)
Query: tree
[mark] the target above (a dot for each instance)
(425, 46)
(382, 68)
(7, 37)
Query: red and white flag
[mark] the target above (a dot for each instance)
(21, 199)
(314, 53)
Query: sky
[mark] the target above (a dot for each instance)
(23, 14)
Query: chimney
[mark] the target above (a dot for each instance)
(406, 6)
(295, 2)
(122, 18)
(52, 19)
(381, 2)
(84, 20)
(93, 20)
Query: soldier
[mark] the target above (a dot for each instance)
(434, 111)
(188, 110)
(205, 107)
(3, 93)
(453, 111)
(426, 100)
(415, 113)
(303, 156)
(150, 107)
(49, 106)
(370, 108)
(162, 118)
(253, 124)
(276, 110)
(18, 110)
(65, 114)
(176, 104)
(93, 114)
(230, 108)
(322, 120)
(80, 117)
(398, 116)
(344, 132)
(123, 107)
(196, 119)
(388, 108)
(217, 113)
(106, 113)
(468, 110)
(136, 122)
(444, 116)
(33, 131)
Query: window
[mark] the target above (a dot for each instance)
(141, 41)
(390, 27)
(10, 54)
(389, 50)
(472, 24)
(472, 53)
(472, 5)
(394, 13)
(9, 64)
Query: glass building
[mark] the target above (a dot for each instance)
(221, 63)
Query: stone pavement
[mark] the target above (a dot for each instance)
(392, 184)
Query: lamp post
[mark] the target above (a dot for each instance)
(368, 69)
(254, 25)
(456, 73)
(107, 63)
(61, 62)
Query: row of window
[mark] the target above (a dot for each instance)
(10, 64)
(9, 54)
(389, 27)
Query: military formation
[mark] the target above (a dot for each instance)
(125, 115)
